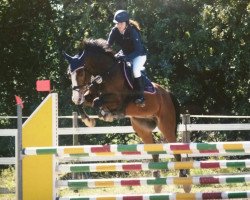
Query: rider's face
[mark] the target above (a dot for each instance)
(121, 26)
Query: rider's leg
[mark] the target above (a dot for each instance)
(139, 90)
(138, 63)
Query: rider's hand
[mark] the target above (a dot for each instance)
(120, 56)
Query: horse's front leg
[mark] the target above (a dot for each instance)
(89, 122)
(106, 103)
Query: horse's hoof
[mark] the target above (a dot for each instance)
(157, 174)
(187, 188)
(89, 122)
(158, 188)
(108, 118)
(183, 173)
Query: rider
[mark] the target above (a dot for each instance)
(126, 34)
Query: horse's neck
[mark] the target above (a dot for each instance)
(108, 68)
(117, 86)
(116, 76)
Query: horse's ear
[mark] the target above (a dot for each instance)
(81, 56)
(82, 45)
(67, 57)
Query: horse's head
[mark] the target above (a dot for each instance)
(77, 76)
(87, 66)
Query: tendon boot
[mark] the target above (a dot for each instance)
(139, 92)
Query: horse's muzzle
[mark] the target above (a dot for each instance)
(78, 97)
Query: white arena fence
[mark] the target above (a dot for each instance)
(185, 128)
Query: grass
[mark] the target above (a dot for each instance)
(7, 180)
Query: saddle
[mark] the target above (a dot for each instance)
(128, 75)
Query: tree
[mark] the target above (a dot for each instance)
(198, 49)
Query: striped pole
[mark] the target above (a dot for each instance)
(96, 183)
(111, 167)
(126, 156)
(168, 196)
(171, 148)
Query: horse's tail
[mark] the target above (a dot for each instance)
(177, 110)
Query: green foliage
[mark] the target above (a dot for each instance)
(7, 147)
(198, 49)
(7, 178)
(190, 43)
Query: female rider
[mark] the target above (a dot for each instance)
(126, 35)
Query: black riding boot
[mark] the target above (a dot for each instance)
(139, 92)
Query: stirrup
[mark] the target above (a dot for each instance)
(140, 102)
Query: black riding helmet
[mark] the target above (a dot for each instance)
(121, 16)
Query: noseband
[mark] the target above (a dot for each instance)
(96, 80)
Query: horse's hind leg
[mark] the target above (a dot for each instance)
(168, 129)
(144, 128)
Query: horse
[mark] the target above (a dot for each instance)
(98, 81)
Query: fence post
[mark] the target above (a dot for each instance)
(18, 152)
(75, 125)
(186, 133)
(186, 139)
(75, 142)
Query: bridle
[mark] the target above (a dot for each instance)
(98, 79)
(78, 87)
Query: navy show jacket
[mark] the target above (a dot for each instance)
(130, 42)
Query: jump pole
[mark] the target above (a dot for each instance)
(40, 129)
(38, 178)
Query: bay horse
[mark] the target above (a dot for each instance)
(98, 81)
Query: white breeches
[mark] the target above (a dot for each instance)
(138, 63)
